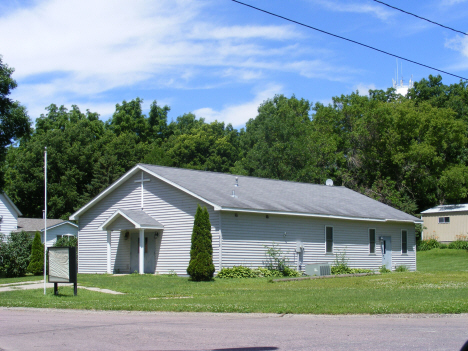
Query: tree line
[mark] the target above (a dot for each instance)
(409, 152)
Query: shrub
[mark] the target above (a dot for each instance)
(429, 244)
(15, 253)
(201, 267)
(236, 272)
(443, 246)
(401, 268)
(459, 244)
(384, 269)
(36, 260)
(66, 241)
(275, 259)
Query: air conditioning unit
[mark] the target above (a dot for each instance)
(318, 269)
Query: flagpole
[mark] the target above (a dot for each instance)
(45, 217)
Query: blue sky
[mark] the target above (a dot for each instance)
(215, 58)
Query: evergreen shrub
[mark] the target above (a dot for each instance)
(36, 261)
(201, 267)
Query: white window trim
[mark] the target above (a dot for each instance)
(375, 240)
(401, 242)
(333, 240)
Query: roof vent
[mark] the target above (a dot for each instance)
(233, 194)
(237, 182)
(329, 182)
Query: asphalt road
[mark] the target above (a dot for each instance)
(47, 329)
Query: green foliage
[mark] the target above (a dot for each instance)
(36, 261)
(274, 258)
(201, 267)
(14, 121)
(15, 254)
(459, 244)
(384, 269)
(66, 241)
(428, 244)
(236, 272)
(340, 266)
(246, 272)
(401, 268)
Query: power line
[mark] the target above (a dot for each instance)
(350, 40)
(425, 19)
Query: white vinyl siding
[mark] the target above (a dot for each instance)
(245, 238)
(171, 207)
(64, 229)
(9, 221)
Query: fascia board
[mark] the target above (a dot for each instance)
(111, 188)
(59, 224)
(114, 217)
(301, 214)
(175, 185)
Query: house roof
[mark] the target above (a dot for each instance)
(446, 208)
(37, 224)
(12, 204)
(262, 195)
(139, 218)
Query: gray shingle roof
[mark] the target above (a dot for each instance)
(142, 218)
(35, 224)
(259, 194)
(447, 208)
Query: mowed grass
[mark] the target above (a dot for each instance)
(439, 260)
(426, 291)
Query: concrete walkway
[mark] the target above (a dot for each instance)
(39, 284)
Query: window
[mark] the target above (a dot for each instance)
(372, 241)
(444, 220)
(404, 241)
(329, 239)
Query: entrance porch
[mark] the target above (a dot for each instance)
(142, 230)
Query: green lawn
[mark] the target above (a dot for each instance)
(438, 260)
(427, 291)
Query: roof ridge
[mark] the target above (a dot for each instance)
(241, 175)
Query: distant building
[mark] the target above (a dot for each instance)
(11, 222)
(9, 214)
(446, 223)
(56, 228)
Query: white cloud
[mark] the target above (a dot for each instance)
(452, 2)
(363, 89)
(357, 7)
(82, 50)
(459, 44)
(239, 114)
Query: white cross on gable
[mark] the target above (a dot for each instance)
(142, 180)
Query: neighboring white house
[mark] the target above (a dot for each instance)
(446, 223)
(143, 222)
(55, 228)
(8, 215)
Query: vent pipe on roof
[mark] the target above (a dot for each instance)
(237, 182)
(329, 182)
(233, 194)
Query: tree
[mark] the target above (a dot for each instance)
(280, 144)
(72, 139)
(14, 121)
(201, 267)
(15, 254)
(36, 261)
